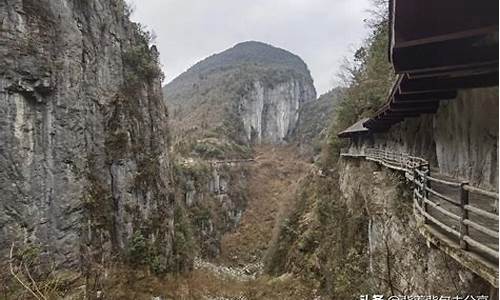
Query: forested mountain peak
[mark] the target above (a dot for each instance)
(248, 53)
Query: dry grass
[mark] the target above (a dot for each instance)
(272, 184)
(199, 284)
(272, 181)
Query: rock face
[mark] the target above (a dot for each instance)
(460, 140)
(355, 228)
(355, 232)
(393, 243)
(314, 120)
(253, 89)
(84, 164)
(271, 114)
(215, 196)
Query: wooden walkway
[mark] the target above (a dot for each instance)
(458, 218)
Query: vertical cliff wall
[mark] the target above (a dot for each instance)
(83, 129)
(398, 257)
(460, 139)
(251, 94)
(354, 228)
(215, 196)
(353, 233)
(270, 114)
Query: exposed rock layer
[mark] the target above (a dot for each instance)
(460, 140)
(252, 93)
(83, 130)
(215, 196)
(355, 234)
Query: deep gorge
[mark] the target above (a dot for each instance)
(228, 181)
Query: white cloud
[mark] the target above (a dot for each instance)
(321, 32)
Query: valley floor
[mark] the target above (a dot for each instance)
(238, 272)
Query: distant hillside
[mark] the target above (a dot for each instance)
(316, 117)
(249, 94)
(247, 53)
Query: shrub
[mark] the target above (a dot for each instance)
(158, 265)
(208, 150)
(137, 251)
(141, 64)
(184, 246)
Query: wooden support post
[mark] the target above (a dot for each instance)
(425, 193)
(417, 187)
(464, 229)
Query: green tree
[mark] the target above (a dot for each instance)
(368, 77)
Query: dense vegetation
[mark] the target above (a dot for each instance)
(321, 236)
(320, 239)
(205, 100)
(368, 77)
(248, 53)
(314, 119)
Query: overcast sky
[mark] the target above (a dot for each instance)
(321, 32)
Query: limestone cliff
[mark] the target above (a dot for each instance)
(251, 93)
(84, 167)
(353, 227)
(354, 233)
(215, 196)
(460, 140)
(271, 114)
(315, 119)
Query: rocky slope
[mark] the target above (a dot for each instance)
(84, 168)
(235, 272)
(459, 140)
(215, 195)
(250, 94)
(315, 119)
(354, 233)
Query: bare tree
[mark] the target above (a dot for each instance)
(32, 287)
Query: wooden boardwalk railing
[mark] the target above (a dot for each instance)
(464, 215)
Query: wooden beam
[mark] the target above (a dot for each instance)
(458, 35)
(432, 107)
(438, 35)
(404, 114)
(439, 95)
(426, 85)
(457, 70)
(414, 103)
(388, 120)
(381, 126)
(473, 51)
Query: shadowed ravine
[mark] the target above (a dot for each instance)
(238, 272)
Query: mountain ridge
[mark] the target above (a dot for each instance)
(245, 52)
(250, 93)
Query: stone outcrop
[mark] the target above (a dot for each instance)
(251, 94)
(354, 233)
(271, 114)
(460, 139)
(83, 153)
(215, 196)
(394, 245)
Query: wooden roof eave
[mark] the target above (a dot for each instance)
(424, 34)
